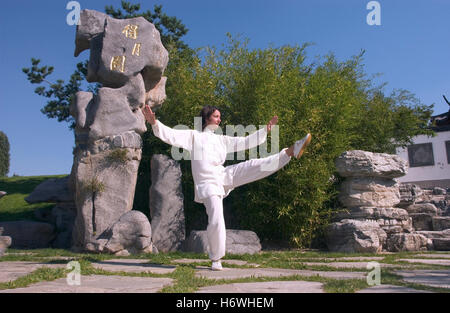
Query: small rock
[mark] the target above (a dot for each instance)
(441, 223)
(439, 191)
(237, 242)
(355, 236)
(29, 234)
(406, 242)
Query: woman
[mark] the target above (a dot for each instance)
(213, 181)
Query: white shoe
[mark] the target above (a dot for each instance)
(216, 266)
(300, 145)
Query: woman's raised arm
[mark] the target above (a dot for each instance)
(181, 138)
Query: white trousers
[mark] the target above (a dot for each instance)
(243, 173)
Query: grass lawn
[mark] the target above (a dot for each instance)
(13, 207)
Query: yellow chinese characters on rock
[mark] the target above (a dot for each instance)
(136, 49)
(118, 63)
(130, 31)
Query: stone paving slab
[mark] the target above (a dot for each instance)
(233, 273)
(350, 258)
(433, 278)
(98, 284)
(362, 265)
(391, 289)
(233, 262)
(436, 256)
(427, 261)
(10, 271)
(266, 287)
(133, 266)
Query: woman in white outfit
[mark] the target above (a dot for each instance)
(213, 181)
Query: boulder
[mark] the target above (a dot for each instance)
(166, 204)
(422, 208)
(63, 216)
(355, 236)
(125, 48)
(369, 192)
(439, 191)
(132, 233)
(441, 244)
(441, 222)
(435, 234)
(407, 242)
(237, 242)
(5, 242)
(51, 190)
(3, 193)
(372, 213)
(105, 185)
(409, 194)
(358, 163)
(91, 24)
(422, 221)
(29, 234)
(111, 112)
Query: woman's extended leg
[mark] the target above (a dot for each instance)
(216, 227)
(255, 169)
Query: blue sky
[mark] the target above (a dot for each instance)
(411, 49)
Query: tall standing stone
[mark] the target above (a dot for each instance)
(166, 204)
(128, 59)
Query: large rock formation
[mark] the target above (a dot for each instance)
(429, 210)
(370, 194)
(128, 59)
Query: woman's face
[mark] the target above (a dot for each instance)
(214, 119)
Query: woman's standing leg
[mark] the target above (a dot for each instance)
(216, 227)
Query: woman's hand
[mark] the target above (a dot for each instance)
(272, 122)
(149, 115)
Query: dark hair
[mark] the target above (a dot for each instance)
(206, 113)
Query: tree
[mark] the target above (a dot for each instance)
(335, 101)
(4, 154)
(61, 93)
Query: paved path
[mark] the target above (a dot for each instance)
(266, 287)
(98, 284)
(10, 271)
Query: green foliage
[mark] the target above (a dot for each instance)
(61, 93)
(94, 185)
(4, 154)
(333, 100)
(118, 155)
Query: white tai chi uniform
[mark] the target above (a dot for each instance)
(213, 181)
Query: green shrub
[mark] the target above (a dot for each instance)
(333, 100)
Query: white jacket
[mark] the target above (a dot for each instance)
(208, 154)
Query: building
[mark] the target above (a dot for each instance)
(429, 157)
